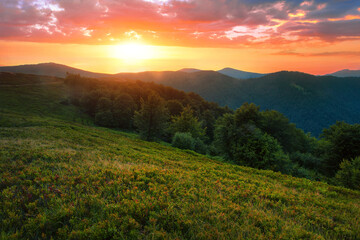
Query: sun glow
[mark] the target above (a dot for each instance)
(133, 51)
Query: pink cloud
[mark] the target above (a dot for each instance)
(177, 22)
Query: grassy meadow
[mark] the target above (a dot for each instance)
(61, 177)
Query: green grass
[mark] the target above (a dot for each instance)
(64, 179)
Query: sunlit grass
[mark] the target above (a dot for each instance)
(63, 178)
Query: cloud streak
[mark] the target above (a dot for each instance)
(222, 23)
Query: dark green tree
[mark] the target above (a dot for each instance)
(151, 119)
(104, 116)
(292, 139)
(343, 143)
(103, 104)
(208, 120)
(175, 107)
(183, 140)
(349, 173)
(105, 119)
(224, 135)
(239, 140)
(187, 122)
(247, 114)
(123, 109)
(260, 150)
(89, 101)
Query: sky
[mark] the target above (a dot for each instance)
(313, 36)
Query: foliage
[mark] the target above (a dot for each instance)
(183, 140)
(187, 122)
(292, 139)
(208, 120)
(247, 114)
(242, 142)
(343, 143)
(151, 119)
(256, 149)
(175, 107)
(105, 118)
(307, 160)
(349, 173)
(123, 110)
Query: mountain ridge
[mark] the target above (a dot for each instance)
(239, 74)
(346, 73)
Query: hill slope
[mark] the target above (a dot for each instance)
(346, 73)
(69, 180)
(51, 69)
(234, 73)
(189, 70)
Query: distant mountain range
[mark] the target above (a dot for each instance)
(230, 72)
(51, 69)
(189, 70)
(312, 102)
(346, 73)
(234, 73)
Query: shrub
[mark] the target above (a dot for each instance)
(306, 160)
(200, 146)
(183, 141)
(349, 173)
(105, 119)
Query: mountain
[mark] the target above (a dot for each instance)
(346, 73)
(234, 73)
(51, 69)
(311, 102)
(61, 177)
(189, 70)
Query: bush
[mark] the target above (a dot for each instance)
(183, 141)
(260, 150)
(200, 146)
(306, 160)
(349, 173)
(105, 119)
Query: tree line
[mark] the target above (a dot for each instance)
(246, 136)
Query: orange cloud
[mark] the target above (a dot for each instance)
(213, 23)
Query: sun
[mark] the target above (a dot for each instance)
(133, 51)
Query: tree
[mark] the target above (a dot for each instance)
(292, 139)
(245, 144)
(260, 150)
(343, 143)
(105, 119)
(247, 114)
(124, 108)
(89, 101)
(151, 119)
(187, 122)
(104, 116)
(183, 141)
(349, 173)
(175, 107)
(224, 135)
(209, 124)
(103, 104)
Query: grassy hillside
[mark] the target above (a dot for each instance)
(62, 177)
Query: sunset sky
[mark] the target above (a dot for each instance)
(113, 36)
